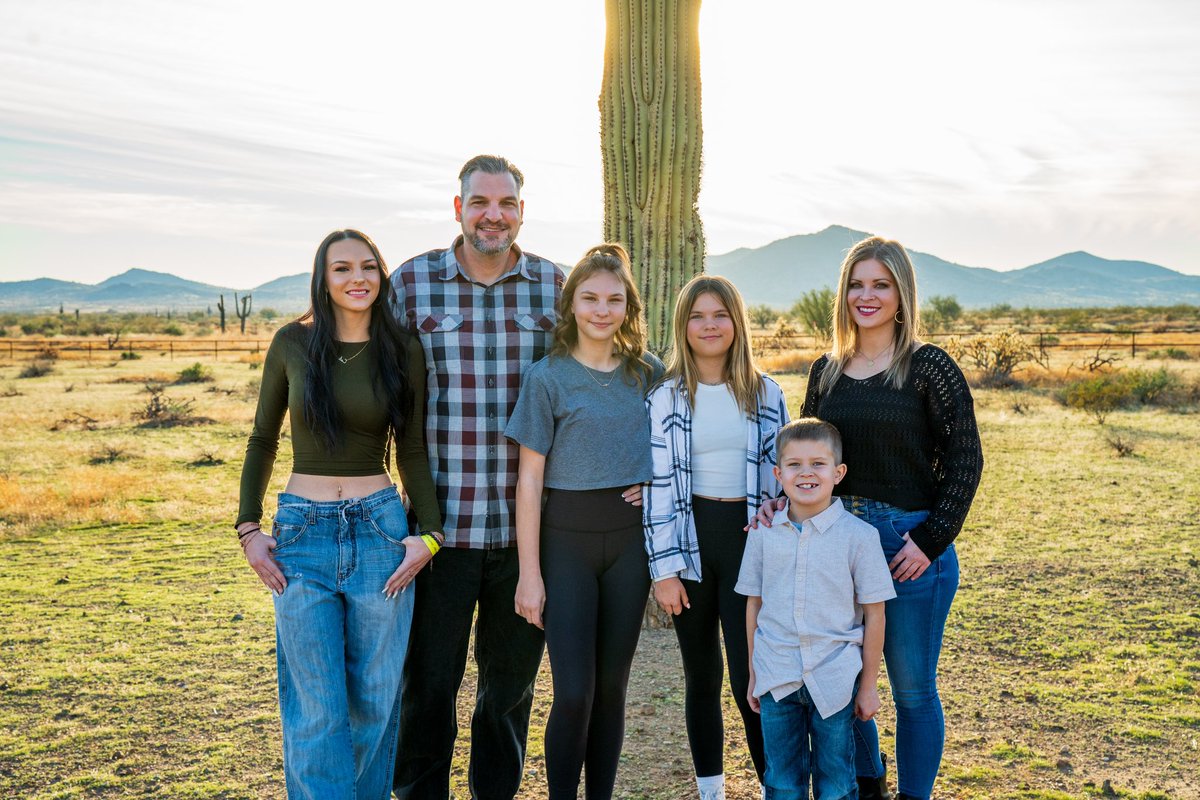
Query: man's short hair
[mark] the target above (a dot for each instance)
(492, 165)
(809, 429)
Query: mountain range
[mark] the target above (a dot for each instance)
(775, 274)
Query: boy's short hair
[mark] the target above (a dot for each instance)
(809, 429)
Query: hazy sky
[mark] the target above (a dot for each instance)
(221, 140)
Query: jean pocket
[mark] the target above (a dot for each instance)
(289, 525)
(390, 522)
(904, 523)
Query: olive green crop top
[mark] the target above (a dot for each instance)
(364, 421)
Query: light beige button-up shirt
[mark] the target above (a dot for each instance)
(813, 581)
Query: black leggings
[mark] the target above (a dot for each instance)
(597, 582)
(713, 600)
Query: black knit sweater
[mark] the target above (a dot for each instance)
(915, 448)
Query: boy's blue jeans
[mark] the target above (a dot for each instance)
(788, 725)
(340, 643)
(916, 621)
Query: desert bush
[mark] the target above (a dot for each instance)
(996, 356)
(171, 329)
(161, 411)
(785, 328)
(762, 315)
(941, 312)
(1171, 353)
(1122, 445)
(1099, 395)
(11, 390)
(206, 458)
(36, 369)
(196, 373)
(129, 355)
(106, 454)
(46, 354)
(814, 312)
(1153, 386)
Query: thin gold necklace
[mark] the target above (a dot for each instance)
(871, 359)
(345, 360)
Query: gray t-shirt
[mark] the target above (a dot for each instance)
(591, 426)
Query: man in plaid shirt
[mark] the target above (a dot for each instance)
(484, 310)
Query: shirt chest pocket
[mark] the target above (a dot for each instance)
(535, 330)
(438, 322)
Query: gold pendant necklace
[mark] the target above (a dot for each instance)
(356, 355)
(871, 360)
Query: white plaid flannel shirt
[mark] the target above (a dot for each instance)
(667, 500)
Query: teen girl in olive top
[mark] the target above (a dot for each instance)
(340, 553)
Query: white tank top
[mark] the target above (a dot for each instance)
(718, 443)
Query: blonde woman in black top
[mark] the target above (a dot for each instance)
(340, 554)
(914, 460)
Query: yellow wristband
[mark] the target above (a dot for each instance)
(431, 543)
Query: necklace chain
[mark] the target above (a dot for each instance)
(872, 359)
(592, 375)
(345, 360)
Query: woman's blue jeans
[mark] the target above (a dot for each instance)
(340, 643)
(916, 620)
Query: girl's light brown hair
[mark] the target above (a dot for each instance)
(742, 377)
(908, 319)
(629, 342)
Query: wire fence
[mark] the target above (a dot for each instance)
(25, 348)
(1134, 343)
(1131, 342)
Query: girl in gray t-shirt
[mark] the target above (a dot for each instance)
(584, 434)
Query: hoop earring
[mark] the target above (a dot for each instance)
(899, 319)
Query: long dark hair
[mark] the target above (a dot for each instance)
(386, 357)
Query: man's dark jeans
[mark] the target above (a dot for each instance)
(508, 652)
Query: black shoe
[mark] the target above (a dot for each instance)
(875, 788)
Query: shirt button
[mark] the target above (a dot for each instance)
(491, 382)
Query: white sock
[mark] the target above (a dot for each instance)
(712, 787)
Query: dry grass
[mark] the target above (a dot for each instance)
(136, 655)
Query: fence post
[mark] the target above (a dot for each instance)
(1133, 344)
(171, 345)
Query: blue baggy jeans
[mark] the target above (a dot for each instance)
(340, 643)
(916, 621)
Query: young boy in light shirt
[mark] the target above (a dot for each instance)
(815, 583)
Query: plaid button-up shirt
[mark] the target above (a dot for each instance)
(477, 341)
(667, 518)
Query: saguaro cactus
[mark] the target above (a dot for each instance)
(221, 308)
(243, 310)
(651, 137)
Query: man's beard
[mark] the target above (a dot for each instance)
(494, 246)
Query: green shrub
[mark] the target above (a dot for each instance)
(814, 311)
(171, 329)
(1173, 353)
(36, 369)
(1153, 387)
(196, 373)
(1101, 395)
(129, 355)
